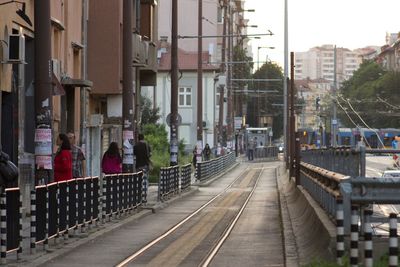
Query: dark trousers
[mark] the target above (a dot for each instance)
(250, 154)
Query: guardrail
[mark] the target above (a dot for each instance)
(268, 152)
(10, 223)
(213, 167)
(343, 160)
(346, 200)
(168, 184)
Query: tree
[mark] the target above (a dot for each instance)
(270, 94)
(149, 113)
(373, 94)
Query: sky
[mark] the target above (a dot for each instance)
(345, 23)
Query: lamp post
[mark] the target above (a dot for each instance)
(230, 120)
(258, 85)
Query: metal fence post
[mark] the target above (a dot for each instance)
(393, 242)
(33, 222)
(354, 237)
(362, 161)
(339, 231)
(368, 246)
(3, 228)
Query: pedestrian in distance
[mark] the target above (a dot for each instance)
(112, 161)
(63, 159)
(250, 150)
(78, 158)
(142, 153)
(194, 157)
(207, 152)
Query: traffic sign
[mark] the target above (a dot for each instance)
(178, 119)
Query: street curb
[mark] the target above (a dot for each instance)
(51, 255)
(289, 241)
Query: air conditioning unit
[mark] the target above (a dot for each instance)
(16, 48)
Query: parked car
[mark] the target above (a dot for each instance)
(391, 174)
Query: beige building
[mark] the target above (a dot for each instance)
(86, 61)
(312, 93)
(318, 62)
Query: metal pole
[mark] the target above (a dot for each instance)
(228, 81)
(127, 92)
(200, 83)
(292, 117)
(258, 88)
(174, 86)
(223, 69)
(43, 94)
(334, 121)
(84, 102)
(285, 85)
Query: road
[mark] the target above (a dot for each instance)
(377, 164)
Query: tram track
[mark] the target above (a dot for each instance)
(206, 227)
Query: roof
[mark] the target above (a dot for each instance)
(187, 61)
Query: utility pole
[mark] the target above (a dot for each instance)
(285, 83)
(174, 86)
(200, 83)
(127, 91)
(43, 94)
(223, 69)
(292, 126)
(334, 120)
(229, 81)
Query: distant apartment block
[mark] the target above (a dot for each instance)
(318, 62)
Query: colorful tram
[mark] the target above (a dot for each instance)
(373, 138)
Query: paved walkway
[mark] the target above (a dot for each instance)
(64, 247)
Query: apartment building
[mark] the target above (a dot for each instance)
(105, 55)
(313, 94)
(85, 66)
(318, 62)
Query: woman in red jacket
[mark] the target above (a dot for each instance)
(63, 160)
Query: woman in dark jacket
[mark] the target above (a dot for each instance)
(63, 160)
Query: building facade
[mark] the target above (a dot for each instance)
(319, 62)
(187, 96)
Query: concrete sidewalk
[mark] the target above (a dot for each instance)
(78, 237)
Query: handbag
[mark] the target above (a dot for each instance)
(8, 170)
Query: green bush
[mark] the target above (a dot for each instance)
(157, 137)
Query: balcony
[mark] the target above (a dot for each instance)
(144, 53)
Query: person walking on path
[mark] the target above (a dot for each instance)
(250, 150)
(63, 159)
(78, 158)
(207, 152)
(194, 157)
(111, 162)
(142, 152)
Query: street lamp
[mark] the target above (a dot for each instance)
(258, 85)
(258, 53)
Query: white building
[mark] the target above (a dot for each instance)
(318, 62)
(187, 96)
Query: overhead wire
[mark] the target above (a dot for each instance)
(358, 115)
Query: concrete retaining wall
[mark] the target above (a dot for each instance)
(313, 231)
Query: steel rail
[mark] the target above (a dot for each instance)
(179, 224)
(229, 228)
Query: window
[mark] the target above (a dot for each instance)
(185, 96)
